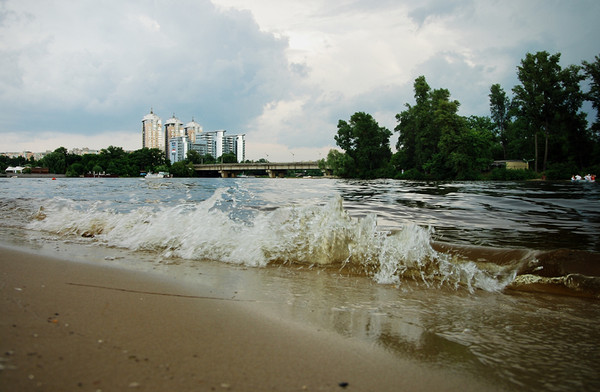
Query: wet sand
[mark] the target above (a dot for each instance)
(76, 326)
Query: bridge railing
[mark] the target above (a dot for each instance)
(273, 169)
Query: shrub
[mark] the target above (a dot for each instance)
(503, 174)
(561, 171)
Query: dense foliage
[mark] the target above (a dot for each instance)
(115, 161)
(543, 123)
(367, 147)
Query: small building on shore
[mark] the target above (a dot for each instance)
(14, 169)
(512, 164)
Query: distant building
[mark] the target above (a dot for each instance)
(235, 144)
(205, 144)
(512, 164)
(173, 128)
(83, 151)
(15, 170)
(191, 129)
(152, 132)
(176, 140)
(178, 148)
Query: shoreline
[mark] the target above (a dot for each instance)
(69, 325)
(32, 175)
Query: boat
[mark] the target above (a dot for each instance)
(161, 174)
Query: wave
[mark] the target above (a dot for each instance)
(317, 236)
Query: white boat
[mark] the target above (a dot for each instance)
(151, 176)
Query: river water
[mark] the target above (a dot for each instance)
(497, 280)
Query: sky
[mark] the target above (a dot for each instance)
(84, 73)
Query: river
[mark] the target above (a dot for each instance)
(498, 280)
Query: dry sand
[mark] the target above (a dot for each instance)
(69, 326)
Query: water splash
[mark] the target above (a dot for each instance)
(312, 235)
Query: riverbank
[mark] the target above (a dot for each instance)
(33, 175)
(69, 325)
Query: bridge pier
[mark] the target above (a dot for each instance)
(276, 173)
(227, 174)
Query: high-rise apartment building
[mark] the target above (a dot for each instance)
(173, 128)
(176, 140)
(191, 129)
(152, 132)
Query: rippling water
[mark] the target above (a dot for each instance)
(538, 215)
(457, 274)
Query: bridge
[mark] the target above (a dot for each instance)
(274, 170)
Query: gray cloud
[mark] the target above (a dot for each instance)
(103, 66)
(90, 68)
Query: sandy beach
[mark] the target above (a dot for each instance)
(76, 326)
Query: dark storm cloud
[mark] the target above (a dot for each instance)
(102, 66)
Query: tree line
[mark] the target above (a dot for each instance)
(542, 123)
(114, 161)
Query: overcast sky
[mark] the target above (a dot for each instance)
(84, 73)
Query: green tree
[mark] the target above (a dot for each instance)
(97, 169)
(536, 96)
(146, 159)
(592, 72)
(75, 170)
(572, 140)
(182, 169)
(56, 161)
(366, 143)
(549, 100)
(432, 136)
(228, 158)
(341, 164)
(194, 157)
(207, 159)
(500, 112)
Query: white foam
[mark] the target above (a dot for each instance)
(301, 234)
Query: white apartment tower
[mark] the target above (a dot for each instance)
(219, 143)
(240, 145)
(175, 139)
(152, 132)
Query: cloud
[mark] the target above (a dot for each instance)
(282, 72)
(50, 141)
(111, 60)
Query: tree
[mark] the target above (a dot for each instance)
(75, 170)
(548, 98)
(417, 141)
(146, 159)
(500, 112)
(181, 169)
(592, 72)
(56, 161)
(194, 157)
(228, 158)
(207, 159)
(433, 139)
(366, 143)
(406, 144)
(340, 164)
(572, 140)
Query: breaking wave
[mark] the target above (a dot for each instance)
(317, 236)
